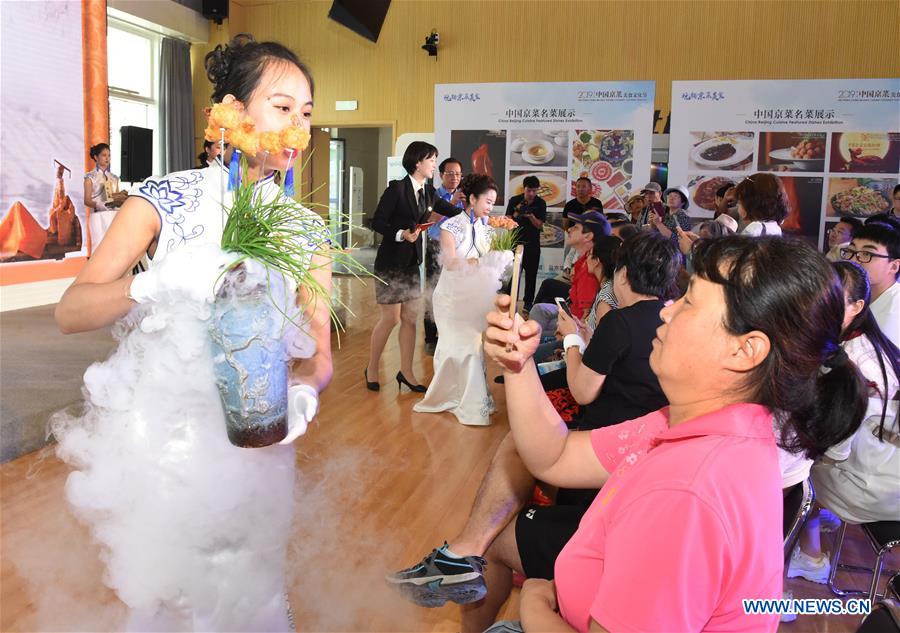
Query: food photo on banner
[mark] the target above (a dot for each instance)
(722, 151)
(834, 143)
(859, 197)
(792, 151)
(606, 158)
(552, 188)
(541, 148)
(481, 152)
(553, 235)
(557, 132)
(865, 152)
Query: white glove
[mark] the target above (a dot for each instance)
(302, 406)
(192, 273)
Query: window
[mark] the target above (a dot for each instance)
(133, 62)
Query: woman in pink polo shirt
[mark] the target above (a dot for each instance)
(690, 507)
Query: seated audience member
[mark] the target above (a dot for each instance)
(708, 229)
(601, 263)
(895, 208)
(859, 478)
(498, 527)
(677, 202)
(580, 237)
(607, 370)
(839, 236)
(728, 222)
(624, 230)
(691, 502)
(582, 202)
(725, 202)
(636, 205)
(876, 246)
(652, 193)
(561, 284)
(762, 204)
(885, 218)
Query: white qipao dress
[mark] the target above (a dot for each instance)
(464, 294)
(195, 529)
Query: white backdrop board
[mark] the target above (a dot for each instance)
(835, 143)
(555, 131)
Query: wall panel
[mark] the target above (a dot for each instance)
(496, 40)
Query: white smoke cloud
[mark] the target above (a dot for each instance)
(472, 286)
(193, 529)
(193, 533)
(344, 544)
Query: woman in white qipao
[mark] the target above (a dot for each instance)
(469, 281)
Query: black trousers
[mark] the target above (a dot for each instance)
(552, 288)
(531, 259)
(432, 271)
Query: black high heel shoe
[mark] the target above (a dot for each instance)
(371, 386)
(401, 380)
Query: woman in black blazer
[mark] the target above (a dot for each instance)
(404, 204)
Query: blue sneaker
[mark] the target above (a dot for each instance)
(441, 577)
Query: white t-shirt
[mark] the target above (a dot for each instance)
(756, 228)
(864, 484)
(794, 466)
(886, 310)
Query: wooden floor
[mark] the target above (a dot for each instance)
(380, 487)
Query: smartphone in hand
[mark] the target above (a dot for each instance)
(514, 284)
(659, 209)
(561, 303)
(514, 287)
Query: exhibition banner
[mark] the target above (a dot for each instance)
(42, 215)
(835, 144)
(555, 131)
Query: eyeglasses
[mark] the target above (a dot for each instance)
(453, 173)
(863, 257)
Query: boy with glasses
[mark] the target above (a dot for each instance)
(876, 246)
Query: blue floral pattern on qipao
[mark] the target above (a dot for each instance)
(487, 406)
(177, 198)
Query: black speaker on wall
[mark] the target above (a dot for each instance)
(137, 153)
(365, 17)
(215, 10)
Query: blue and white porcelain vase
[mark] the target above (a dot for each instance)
(250, 366)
